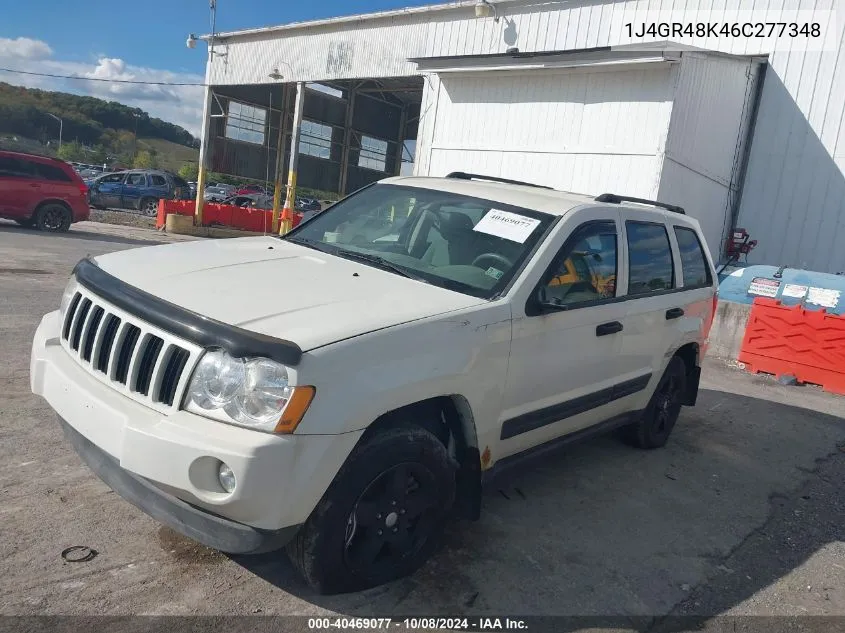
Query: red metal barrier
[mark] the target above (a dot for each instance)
(244, 218)
(791, 340)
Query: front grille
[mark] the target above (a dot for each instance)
(147, 364)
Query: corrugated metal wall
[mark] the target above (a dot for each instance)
(711, 112)
(794, 201)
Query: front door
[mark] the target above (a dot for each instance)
(106, 192)
(133, 189)
(562, 375)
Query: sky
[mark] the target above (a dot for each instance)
(142, 40)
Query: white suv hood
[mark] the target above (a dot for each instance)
(271, 286)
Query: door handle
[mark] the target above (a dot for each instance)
(608, 328)
(674, 313)
(35, 185)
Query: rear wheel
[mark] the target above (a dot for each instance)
(658, 420)
(383, 515)
(149, 206)
(53, 218)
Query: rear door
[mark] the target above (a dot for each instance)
(133, 189)
(158, 187)
(697, 279)
(655, 302)
(19, 188)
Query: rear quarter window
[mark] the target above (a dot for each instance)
(696, 270)
(650, 266)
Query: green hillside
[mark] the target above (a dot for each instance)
(94, 130)
(169, 155)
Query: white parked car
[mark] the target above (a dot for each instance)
(345, 389)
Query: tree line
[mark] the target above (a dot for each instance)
(93, 128)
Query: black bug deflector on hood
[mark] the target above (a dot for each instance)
(182, 322)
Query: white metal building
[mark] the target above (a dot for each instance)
(557, 93)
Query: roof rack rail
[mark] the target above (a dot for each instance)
(616, 199)
(461, 175)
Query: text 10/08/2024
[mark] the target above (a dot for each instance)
(418, 624)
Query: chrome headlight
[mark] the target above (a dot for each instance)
(67, 295)
(254, 393)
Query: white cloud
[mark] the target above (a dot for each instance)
(24, 48)
(181, 105)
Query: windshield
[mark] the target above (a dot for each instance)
(457, 242)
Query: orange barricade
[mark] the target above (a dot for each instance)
(809, 344)
(244, 218)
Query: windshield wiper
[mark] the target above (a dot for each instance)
(317, 245)
(379, 262)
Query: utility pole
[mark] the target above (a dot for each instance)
(60, 127)
(135, 141)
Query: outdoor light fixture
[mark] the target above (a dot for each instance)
(192, 41)
(276, 75)
(483, 9)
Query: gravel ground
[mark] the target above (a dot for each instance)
(123, 218)
(742, 513)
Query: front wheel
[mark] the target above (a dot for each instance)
(658, 419)
(383, 515)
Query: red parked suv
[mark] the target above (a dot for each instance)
(41, 192)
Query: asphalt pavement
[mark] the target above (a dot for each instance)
(742, 513)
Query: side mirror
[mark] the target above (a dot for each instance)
(541, 303)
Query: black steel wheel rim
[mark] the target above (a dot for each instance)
(52, 218)
(392, 519)
(668, 405)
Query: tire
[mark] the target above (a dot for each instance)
(52, 218)
(148, 207)
(359, 535)
(656, 424)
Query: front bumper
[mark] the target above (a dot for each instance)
(165, 463)
(199, 525)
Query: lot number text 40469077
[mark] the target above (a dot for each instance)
(419, 623)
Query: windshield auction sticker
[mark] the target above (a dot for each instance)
(510, 226)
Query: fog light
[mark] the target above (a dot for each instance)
(226, 477)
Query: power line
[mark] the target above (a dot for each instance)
(119, 81)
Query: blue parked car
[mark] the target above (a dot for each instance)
(139, 189)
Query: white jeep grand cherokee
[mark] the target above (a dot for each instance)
(343, 390)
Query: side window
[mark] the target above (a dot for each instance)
(649, 258)
(12, 167)
(111, 179)
(693, 261)
(51, 172)
(157, 181)
(585, 269)
(137, 180)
